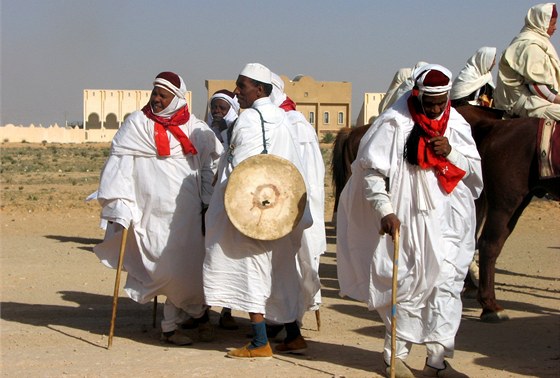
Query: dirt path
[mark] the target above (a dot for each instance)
(56, 308)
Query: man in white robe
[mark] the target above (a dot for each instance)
(529, 69)
(474, 84)
(156, 182)
(417, 170)
(237, 269)
(307, 295)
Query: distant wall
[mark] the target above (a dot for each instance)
(53, 134)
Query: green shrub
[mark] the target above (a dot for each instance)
(328, 138)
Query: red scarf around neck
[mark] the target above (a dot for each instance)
(172, 124)
(288, 105)
(448, 174)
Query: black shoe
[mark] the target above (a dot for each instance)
(190, 323)
(228, 322)
(273, 330)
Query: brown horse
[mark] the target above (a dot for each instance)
(345, 148)
(511, 179)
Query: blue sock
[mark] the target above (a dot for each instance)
(259, 338)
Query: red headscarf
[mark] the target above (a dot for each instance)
(174, 84)
(288, 104)
(448, 174)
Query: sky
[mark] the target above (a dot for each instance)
(51, 50)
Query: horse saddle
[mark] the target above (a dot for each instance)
(265, 197)
(548, 148)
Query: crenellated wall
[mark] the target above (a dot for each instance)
(53, 134)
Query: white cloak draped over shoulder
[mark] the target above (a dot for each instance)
(313, 243)
(436, 245)
(160, 200)
(237, 269)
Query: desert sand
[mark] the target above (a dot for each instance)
(57, 297)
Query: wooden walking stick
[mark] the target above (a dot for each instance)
(117, 284)
(154, 312)
(394, 302)
(318, 319)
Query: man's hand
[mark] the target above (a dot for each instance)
(441, 145)
(389, 224)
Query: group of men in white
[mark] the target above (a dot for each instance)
(165, 180)
(417, 171)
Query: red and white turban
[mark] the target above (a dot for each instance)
(433, 80)
(173, 83)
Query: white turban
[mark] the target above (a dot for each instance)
(258, 72)
(277, 96)
(233, 111)
(475, 74)
(163, 80)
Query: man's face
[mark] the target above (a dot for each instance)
(247, 91)
(219, 108)
(434, 105)
(160, 99)
(552, 26)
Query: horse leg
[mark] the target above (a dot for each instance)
(338, 167)
(471, 280)
(497, 228)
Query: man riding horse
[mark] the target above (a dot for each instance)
(529, 69)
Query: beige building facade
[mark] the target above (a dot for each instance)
(325, 104)
(370, 108)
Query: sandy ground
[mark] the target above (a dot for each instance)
(56, 303)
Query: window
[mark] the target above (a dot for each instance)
(312, 118)
(326, 118)
(340, 118)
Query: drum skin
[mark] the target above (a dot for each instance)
(265, 197)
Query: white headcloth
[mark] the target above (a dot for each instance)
(233, 111)
(475, 74)
(178, 101)
(277, 96)
(258, 72)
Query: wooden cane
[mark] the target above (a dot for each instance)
(154, 313)
(117, 284)
(394, 302)
(318, 318)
